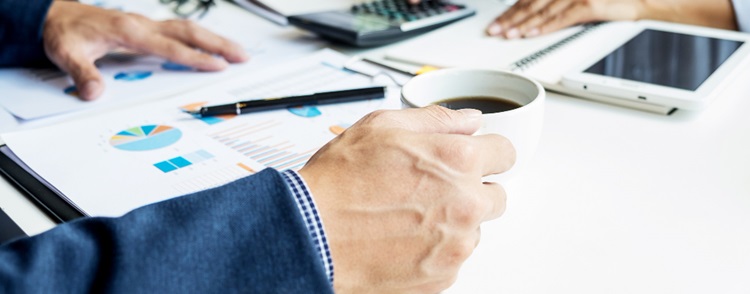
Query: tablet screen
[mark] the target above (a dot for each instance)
(668, 59)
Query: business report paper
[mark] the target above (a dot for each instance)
(117, 161)
(33, 94)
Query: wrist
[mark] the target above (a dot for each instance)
(718, 14)
(651, 9)
(313, 222)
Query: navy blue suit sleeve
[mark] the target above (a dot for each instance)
(21, 26)
(247, 236)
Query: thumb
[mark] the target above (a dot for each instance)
(85, 75)
(438, 119)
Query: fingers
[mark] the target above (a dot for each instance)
(506, 21)
(534, 17)
(430, 119)
(201, 38)
(496, 153)
(85, 75)
(552, 13)
(175, 40)
(180, 53)
(495, 197)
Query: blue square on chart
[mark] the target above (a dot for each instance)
(165, 166)
(180, 162)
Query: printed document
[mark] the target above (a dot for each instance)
(114, 162)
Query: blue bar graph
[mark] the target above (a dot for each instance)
(183, 161)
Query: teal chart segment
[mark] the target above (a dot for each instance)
(145, 138)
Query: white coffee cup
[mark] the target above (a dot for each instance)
(522, 126)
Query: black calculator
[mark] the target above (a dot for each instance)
(381, 22)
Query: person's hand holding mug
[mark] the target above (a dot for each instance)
(512, 105)
(402, 198)
(75, 35)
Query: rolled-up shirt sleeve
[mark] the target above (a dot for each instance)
(742, 14)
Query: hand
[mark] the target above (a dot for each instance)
(75, 35)
(529, 18)
(401, 197)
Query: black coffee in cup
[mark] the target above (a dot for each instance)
(486, 104)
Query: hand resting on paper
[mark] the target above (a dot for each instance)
(529, 18)
(75, 35)
(402, 197)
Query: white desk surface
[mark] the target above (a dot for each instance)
(615, 201)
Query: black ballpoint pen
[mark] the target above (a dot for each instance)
(291, 101)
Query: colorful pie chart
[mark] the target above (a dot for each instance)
(144, 138)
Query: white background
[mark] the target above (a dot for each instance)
(615, 201)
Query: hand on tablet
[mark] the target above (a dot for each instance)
(530, 18)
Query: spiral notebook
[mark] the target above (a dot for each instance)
(545, 58)
(517, 55)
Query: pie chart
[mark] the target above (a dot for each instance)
(144, 138)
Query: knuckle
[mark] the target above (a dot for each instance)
(55, 49)
(465, 214)
(126, 22)
(439, 114)
(379, 117)
(461, 251)
(130, 27)
(192, 30)
(189, 24)
(460, 153)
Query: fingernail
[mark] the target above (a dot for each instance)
(90, 90)
(244, 55)
(513, 33)
(494, 29)
(532, 33)
(218, 63)
(470, 112)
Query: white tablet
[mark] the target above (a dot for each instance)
(662, 63)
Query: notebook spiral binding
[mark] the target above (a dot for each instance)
(528, 61)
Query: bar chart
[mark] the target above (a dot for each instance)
(265, 143)
(183, 161)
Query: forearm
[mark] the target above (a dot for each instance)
(243, 237)
(21, 25)
(711, 13)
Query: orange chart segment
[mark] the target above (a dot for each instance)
(159, 129)
(210, 120)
